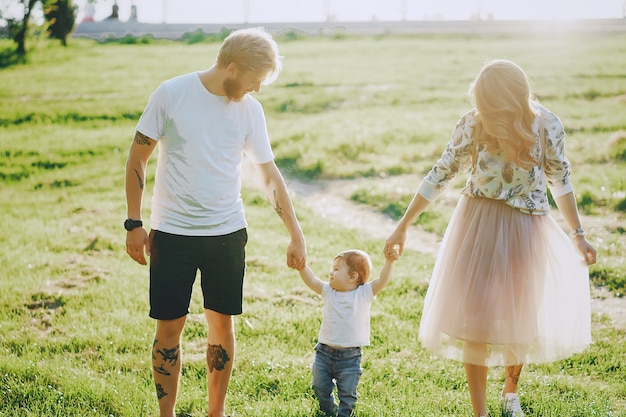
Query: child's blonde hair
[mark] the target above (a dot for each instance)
(502, 96)
(358, 261)
(251, 50)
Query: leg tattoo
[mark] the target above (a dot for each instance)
(160, 391)
(217, 357)
(161, 370)
(513, 372)
(169, 355)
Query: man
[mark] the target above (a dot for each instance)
(203, 123)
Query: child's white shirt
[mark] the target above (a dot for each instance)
(346, 316)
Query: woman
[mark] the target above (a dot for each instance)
(509, 287)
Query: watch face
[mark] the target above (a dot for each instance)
(130, 224)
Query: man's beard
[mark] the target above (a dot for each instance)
(232, 88)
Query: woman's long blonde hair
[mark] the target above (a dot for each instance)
(502, 96)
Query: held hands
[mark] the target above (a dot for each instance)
(392, 253)
(136, 241)
(394, 245)
(296, 255)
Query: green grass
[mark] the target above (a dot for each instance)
(74, 330)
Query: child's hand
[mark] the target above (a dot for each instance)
(393, 254)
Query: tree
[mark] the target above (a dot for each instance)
(18, 26)
(61, 18)
(17, 16)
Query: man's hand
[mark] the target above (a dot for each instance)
(136, 241)
(296, 255)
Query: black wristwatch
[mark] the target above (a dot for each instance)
(130, 224)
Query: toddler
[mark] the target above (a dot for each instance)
(345, 326)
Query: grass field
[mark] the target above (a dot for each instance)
(74, 332)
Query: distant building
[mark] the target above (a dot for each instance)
(90, 11)
(115, 12)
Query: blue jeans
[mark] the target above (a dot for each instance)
(340, 366)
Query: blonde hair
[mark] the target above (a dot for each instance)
(358, 261)
(502, 96)
(251, 50)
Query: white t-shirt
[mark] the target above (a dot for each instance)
(346, 316)
(201, 142)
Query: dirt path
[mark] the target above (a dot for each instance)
(330, 200)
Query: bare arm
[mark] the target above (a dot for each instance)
(567, 206)
(398, 236)
(311, 280)
(276, 192)
(385, 274)
(140, 151)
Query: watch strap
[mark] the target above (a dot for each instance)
(130, 224)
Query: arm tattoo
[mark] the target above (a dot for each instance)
(141, 139)
(217, 357)
(278, 209)
(139, 179)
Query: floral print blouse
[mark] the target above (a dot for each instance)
(494, 177)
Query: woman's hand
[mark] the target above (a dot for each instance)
(585, 248)
(394, 245)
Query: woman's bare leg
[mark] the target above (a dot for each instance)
(511, 377)
(477, 382)
(477, 377)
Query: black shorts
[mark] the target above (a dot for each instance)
(174, 262)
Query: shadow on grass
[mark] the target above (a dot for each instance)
(9, 57)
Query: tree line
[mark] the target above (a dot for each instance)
(17, 16)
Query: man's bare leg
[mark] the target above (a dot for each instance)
(219, 358)
(167, 363)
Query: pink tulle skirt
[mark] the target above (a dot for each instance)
(507, 288)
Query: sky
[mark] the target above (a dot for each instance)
(258, 11)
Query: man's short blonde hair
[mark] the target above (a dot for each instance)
(251, 50)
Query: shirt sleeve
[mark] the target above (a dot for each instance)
(153, 119)
(455, 158)
(368, 291)
(556, 165)
(257, 146)
(325, 289)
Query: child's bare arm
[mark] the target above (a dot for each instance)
(385, 273)
(311, 280)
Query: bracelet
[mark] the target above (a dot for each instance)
(577, 232)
